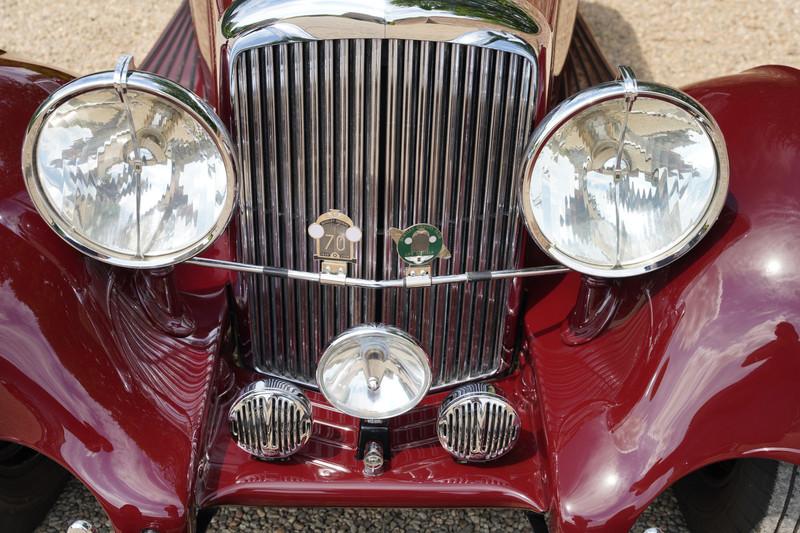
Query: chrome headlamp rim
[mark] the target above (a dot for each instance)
(154, 85)
(568, 109)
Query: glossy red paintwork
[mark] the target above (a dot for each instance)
(86, 377)
(177, 56)
(129, 391)
(701, 361)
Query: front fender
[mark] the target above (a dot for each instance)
(87, 376)
(702, 360)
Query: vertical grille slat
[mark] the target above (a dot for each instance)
(460, 295)
(373, 170)
(434, 296)
(487, 261)
(342, 304)
(407, 127)
(285, 187)
(259, 197)
(356, 184)
(474, 244)
(393, 133)
(313, 154)
(275, 291)
(328, 299)
(390, 184)
(298, 215)
(418, 155)
(444, 313)
(242, 121)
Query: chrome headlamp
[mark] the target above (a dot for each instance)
(130, 168)
(624, 178)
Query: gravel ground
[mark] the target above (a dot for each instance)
(681, 41)
(673, 41)
(76, 502)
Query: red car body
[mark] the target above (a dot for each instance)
(663, 374)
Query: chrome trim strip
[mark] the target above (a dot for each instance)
(404, 283)
(284, 33)
(386, 19)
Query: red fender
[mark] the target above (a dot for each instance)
(88, 374)
(701, 362)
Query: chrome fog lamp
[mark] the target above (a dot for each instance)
(374, 372)
(130, 168)
(270, 419)
(477, 424)
(624, 178)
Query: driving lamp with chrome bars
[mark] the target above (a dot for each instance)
(130, 168)
(623, 178)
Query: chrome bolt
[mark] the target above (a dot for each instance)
(373, 459)
(80, 526)
(652, 530)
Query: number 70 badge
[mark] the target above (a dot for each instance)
(335, 237)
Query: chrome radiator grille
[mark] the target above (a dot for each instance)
(393, 133)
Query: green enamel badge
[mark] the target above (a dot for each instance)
(419, 244)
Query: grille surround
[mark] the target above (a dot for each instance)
(400, 132)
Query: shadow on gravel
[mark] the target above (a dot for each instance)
(617, 38)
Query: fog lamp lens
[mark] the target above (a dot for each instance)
(374, 372)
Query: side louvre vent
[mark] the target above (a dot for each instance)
(393, 133)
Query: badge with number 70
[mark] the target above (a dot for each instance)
(335, 237)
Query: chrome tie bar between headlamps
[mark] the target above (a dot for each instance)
(407, 282)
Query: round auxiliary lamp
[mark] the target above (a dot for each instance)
(374, 372)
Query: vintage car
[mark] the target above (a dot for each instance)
(398, 253)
